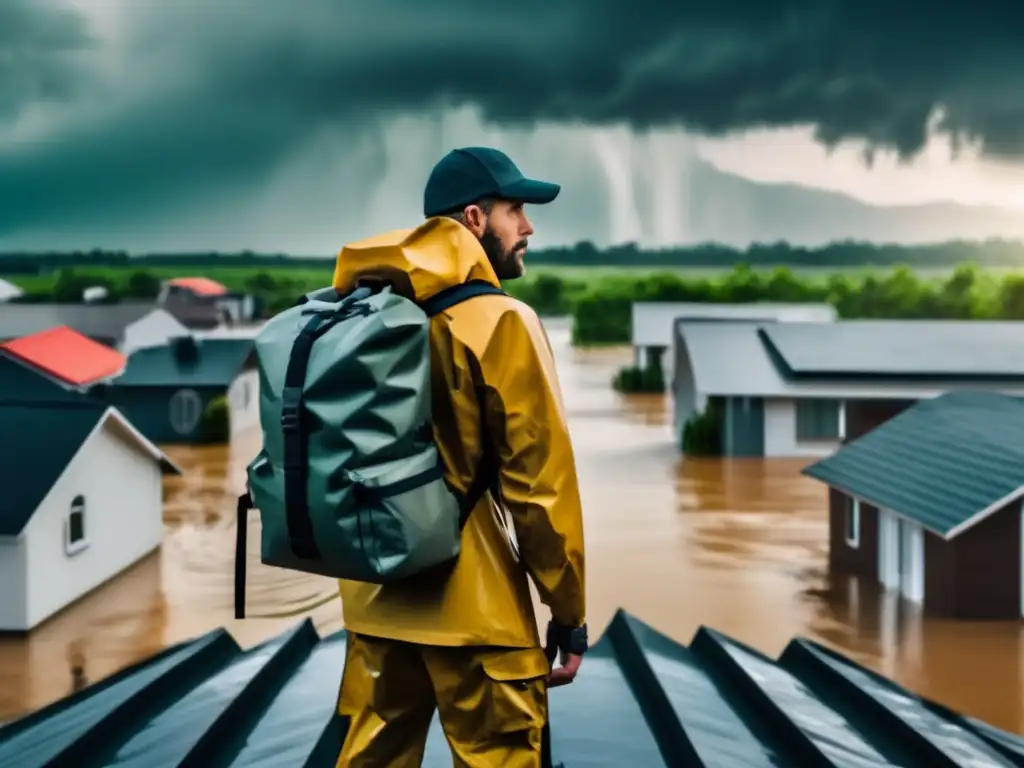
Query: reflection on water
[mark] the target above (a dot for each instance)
(739, 545)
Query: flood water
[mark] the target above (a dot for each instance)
(738, 545)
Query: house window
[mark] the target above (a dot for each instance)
(74, 528)
(851, 522)
(186, 409)
(817, 419)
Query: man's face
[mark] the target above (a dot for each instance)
(504, 236)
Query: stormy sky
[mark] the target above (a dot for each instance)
(295, 126)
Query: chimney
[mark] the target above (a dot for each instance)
(185, 349)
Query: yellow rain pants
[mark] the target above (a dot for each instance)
(492, 703)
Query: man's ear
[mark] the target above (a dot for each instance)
(475, 219)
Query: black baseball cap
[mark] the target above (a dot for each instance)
(466, 175)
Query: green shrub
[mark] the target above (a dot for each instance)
(632, 379)
(216, 424)
(702, 434)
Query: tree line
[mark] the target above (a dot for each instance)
(601, 308)
(843, 254)
(600, 304)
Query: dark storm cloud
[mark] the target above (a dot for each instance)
(37, 46)
(867, 70)
(219, 92)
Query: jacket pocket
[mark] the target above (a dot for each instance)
(516, 683)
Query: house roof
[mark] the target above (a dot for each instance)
(67, 355)
(9, 290)
(97, 321)
(201, 286)
(653, 322)
(641, 699)
(945, 463)
(48, 438)
(735, 359)
(187, 362)
(891, 348)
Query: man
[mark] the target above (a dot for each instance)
(466, 642)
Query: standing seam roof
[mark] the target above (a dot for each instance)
(640, 700)
(895, 348)
(940, 462)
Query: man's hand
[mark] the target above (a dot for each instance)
(568, 646)
(566, 673)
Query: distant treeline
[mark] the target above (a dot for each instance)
(991, 253)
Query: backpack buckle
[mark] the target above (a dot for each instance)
(290, 419)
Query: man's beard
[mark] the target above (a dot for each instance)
(506, 265)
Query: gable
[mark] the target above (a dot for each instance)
(49, 438)
(945, 463)
(20, 383)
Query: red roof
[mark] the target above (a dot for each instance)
(67, 355)
(201, 286)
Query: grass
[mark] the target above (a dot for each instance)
(305, 278)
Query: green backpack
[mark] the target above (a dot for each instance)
(349, 482)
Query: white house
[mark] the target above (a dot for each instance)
(83, 500)
(654, 322)
(125, 326)
(9, 290)
(156, 327)
(800, 389)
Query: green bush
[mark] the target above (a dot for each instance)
(702, 434)
(634, 380)
(215, 427)
(649, 379)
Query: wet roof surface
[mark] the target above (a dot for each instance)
(941, 462)
(640, 700)
(947, 348)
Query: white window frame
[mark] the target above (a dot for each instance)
(78, 507)
(851, 518)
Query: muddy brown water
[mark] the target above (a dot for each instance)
(738, 545)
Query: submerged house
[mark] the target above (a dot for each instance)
(201, 303)
(929, 504)
(641, 700)
(653, 323)
(800, 389)
(166, 389)
(82, 488)
(124, 326)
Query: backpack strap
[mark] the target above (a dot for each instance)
(241, 523)
(456, 294)
(486, 475)
(294, 424)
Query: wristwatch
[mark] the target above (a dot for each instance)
(568, 639)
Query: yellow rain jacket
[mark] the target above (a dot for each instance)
(499, 343)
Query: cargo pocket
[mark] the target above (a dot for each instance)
(516, 690)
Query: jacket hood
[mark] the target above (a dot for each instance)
(420, 262)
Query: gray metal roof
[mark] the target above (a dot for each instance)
(98, 321)
(889, 348)
(653, 322)
(732, 359)
(641, 700)
(942, 462)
